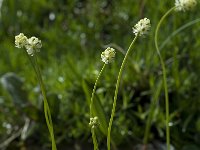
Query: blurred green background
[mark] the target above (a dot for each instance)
(73, 34)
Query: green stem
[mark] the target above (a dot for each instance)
(94, 89)
(94, 139)
(46, 107)
(47, 112)
(116, 91)
(38, 74)
(164, 77)
(91, 104)
(42, 89)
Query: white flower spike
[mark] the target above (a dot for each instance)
(20, 40)
(108, 55)
(33, 45)
(142, 27)
(184, 5)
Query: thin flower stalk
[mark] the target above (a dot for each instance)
(94, 123)
(140, 29)
(116, 92)
(91, 107)
(96, 147)
(32, 46)
(182, 6)
(164, 77)
(107, 57)
(94, 89)
(46, 105)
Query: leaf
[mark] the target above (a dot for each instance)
(99, 112)
(14, 85)
(87, 91)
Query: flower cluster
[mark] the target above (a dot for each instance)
(20, 40)
(108, 55)
(31, 45)
(94, 122)
(142, 27)
(184, 5)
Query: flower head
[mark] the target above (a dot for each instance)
(94, 122)
(20, 40)
(142, 27)
(184, 5)
(108, 55)
(33, 45)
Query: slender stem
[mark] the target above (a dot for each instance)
(94, 139)
(38, 77)
(46, 106)
(116, 91)
(42, 89)
(164, 77)
(94, 89)
(91, 104)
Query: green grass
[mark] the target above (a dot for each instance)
(70, 56)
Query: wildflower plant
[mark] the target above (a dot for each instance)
(140, 29)
(33, 45)
(180, 5)
(107, 57)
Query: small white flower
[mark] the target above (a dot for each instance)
(94, 122)
(108, 55)
(20, 40)
(142, 27)
(33, 45)
(184, 5)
